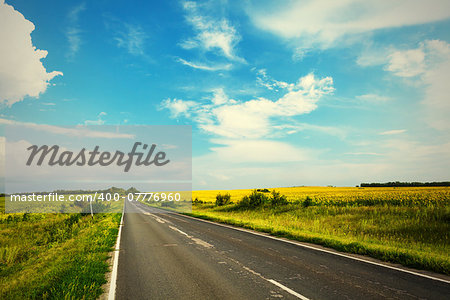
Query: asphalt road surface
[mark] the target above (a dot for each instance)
(168, 256)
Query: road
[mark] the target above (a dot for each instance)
(169, 256)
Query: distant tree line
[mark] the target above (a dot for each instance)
(111, 190)
(405, 184)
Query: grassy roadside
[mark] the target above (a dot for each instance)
(407, 226)
(55, 256)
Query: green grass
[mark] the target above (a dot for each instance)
(54, 256)
(411, 232)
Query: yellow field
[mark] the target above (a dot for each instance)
(406, 225)
(415, 195)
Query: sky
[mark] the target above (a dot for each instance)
(278, 93)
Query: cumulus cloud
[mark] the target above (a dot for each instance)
(252, 119)
(219, 97)
(407, 63)
(177, 107)
(437, 89)
(266, 81)
(323, 23)
(22, 72)
(430, 64)
(428, 67)
(218, 36)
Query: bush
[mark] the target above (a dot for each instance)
(308, 202)
(196, 201)
(255, 199)
(222, 199)
(278, 199)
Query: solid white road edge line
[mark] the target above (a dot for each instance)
(317, 249)
(112, 287)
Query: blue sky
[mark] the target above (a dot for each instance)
(279, 93)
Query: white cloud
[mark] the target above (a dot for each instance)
(81, 131)
(94, 122)
(74, 14)
(22, 72)
(212, 35)
(177, 107)
(363, 153)
(407, 63)
(324, 23)
(244, 120)
(252, 119)
(296, 127)
(417, 152)
(373, 98)
(258, 151)
(201, 66)
(437, 90)
(219, 97)
(169, 146)
(264, 80)
(374, 55)
(2, 154)
(428, 67)
(73, 31)
(392, 132)
(430, 62)
(299, 53)
(99, 120)
(132, 38)
(390, 161)
(73, 35)
(247, 163)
